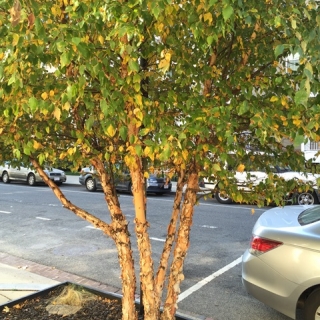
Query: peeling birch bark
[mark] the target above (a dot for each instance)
(181, 248)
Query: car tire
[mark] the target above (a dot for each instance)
(222, 198)
(311, 308)
(91, 184)
(5, 177)
(31, 179)
(305, 198)
(130, 188)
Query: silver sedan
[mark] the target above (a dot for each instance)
(281, 267)
(23, 173)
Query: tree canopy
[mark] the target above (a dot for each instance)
(182, 86)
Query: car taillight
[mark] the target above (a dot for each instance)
(260, 245)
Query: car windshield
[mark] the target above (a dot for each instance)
(309, 216)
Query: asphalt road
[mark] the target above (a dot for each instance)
(35, 226)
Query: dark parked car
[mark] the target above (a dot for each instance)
(155, 184)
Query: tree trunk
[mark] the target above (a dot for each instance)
(163, 266)
(143, 241)
(121, 236)
(181, 248)
(117, 230)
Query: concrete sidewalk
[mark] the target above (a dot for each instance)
(20, 278)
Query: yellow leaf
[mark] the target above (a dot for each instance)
(101, 39)
(1, 55)
(297, 122)
(44, 96)
(57, 113)
(71, 151)
(36, 145)
(185, 154)
(146, 175)
(208, 17)
(241, 167)
(252, 211)
(138, 114)
(111, 131)
(66, 106)
(146, 151)
(284, 101)
(16, 38)
(62, 156)
(205, 147)
(51, 93)
(138, 98)
(273, 99)
(165, 62)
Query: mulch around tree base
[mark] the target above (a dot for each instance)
(36, 309)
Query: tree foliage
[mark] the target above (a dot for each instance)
(184, 86)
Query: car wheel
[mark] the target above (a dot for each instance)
(130, 188)
(31, 180)
(91, 185)
(222, 198)
(5, 177)
(305, 198)
(311, 308)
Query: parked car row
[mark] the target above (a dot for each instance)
(247, 180)
(26, 174)
(90, 179)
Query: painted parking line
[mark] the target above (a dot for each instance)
(7, 212)
(209, 227)
(206, 280)
(157, 239)
(93, 227)
(41, 218)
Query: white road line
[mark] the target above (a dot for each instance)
(210, 227)
(157, 239)
(92, 227)
(41, 218)
(5, 212)
(206, 280)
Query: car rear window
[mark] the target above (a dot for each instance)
(309, 216)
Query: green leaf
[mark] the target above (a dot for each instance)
(301, 97)
(27, 150)
(76, 40)
(65, 59)
(133, 66)
(298, 140)
(33, 104)
(210, 40)
(279, 50)
(83, 49)
(123, 132)
(138, 150)
(244, 107)
(227, 12)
